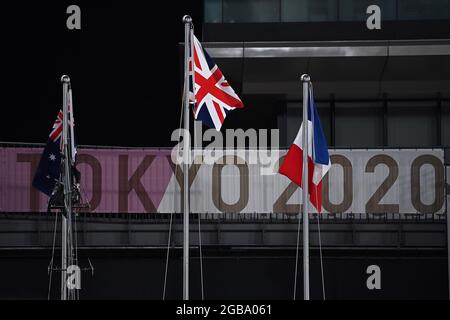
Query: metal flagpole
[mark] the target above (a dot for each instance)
(186, 150)
(63, 257)
(72, 125)
(306, 82)
(65, 225)
(72, 293)
(448, 221)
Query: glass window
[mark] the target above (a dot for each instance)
(355, 10)
(213, 11)
(321, 10)
(308, 10)
(251, 11)
(358, 124)
(412, 124)
(323, 108)
(423, 9)
(293, 121)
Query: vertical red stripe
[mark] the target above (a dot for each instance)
(196, 60)
(219, 112)
(292, 167)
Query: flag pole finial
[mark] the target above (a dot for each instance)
(187, 19)
(305, 78)
(65, 79)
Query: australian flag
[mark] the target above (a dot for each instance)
(49, 169)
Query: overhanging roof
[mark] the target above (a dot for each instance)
(348, 69)
(372, 48)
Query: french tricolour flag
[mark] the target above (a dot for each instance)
(318, 157)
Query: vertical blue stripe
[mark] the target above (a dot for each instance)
(320, 150)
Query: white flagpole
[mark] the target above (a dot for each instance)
(65, 224)
(71, 124)
(186, 150)
(306, 82)
(63, 257)
(448, 225)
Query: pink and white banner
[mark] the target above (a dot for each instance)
(112, 180)
(144, 180)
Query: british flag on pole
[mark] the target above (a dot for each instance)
(214, 97)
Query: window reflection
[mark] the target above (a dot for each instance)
(308, 10)
(247, 11)
(251, 11)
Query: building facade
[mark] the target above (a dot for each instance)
(385, 89)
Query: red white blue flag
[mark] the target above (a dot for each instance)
(318, 157)
(49, 169)
(214, 97)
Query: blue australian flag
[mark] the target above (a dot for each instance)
(49, 169)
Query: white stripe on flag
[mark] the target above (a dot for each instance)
(319, 169)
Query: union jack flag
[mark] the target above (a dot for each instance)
(57, 128)
(214, 97)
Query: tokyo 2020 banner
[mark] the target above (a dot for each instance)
(148, 181)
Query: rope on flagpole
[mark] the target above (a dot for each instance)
(172, 213)
(296, 256)
(311, 96)
(321, 257)
(75, 253)
(167, 256)
(53, 256)
(201, 257)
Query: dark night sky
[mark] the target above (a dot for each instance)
(124, 65)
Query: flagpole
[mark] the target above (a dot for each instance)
(63, 257)
(306, 82)
(65, 224)
(187, 20)
(71, 293)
